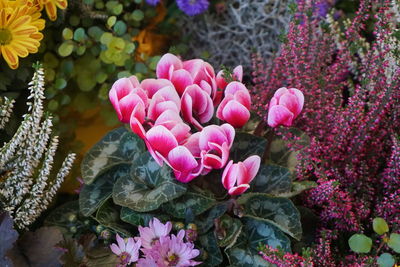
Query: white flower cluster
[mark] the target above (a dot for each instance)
(26, 161)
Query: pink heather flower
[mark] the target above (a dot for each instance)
(149, 236)
(235, 107)
(173, 251)
(214, 144)
(127, 97)
(128, 252)
(237, 176)
(285, 106)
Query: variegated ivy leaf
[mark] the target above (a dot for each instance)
(147, 187)
(228, 231)
(118, 147)
(246, 145)
(214, 255)
(141, 218)
(94, 194)
(272, 179)
(276, 210)
(244, 252)
(206, 220)
(196, 201)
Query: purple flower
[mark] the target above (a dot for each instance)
(193, 7)
(152, 2)
(150, 235)
(172, 251)
(128, 252)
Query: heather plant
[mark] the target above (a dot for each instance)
(26, 160)
(348, 71)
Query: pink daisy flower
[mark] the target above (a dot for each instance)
(127, 251)
(150, 235)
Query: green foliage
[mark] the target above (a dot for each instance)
(360, 243)
(386, 260)
(394, 242)
(380, 226)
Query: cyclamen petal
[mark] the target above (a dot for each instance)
(279, 115)
(166, 63)
(235, 114)
(161, 140)
(151, 86)
(238, 190)
(181, 79)
(252, 165)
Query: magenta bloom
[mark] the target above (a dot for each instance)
(285, 106)
(127, 97)
(128, 252)
(235, 107)
(237, 76)
(173, 251)
(193, 7)
(214, 144)
(237, 176)
(150, 235)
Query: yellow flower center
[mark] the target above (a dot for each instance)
(5, 36)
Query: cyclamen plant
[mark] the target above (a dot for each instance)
(187, 157)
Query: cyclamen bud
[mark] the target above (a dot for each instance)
(285, 106)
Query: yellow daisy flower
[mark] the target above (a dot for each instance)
(26, 7)
(51, 7)
(18, 36)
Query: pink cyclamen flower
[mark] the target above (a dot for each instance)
(285, 106)
(173, 251)
(127, 252)
(235, 106)
(197, 106)
(214, 144)
(237, 176)
(237, 75)
(150, 235)
(126, 97)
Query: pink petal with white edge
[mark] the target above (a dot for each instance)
(169, 93)
(161, 140)
(229, 132)
(208, 112)
(126, 105)
(115, 249)
(238, 190)
(252, 165)
(244, 98)
(181, 159)
(221, 83)
(206, 87)
(212, 134)
(235, 86)
(137, 127)
(181, 131)
(299, 95)
(181, 79)
(222, 106)
(291, 102)
(165, 63)
(151, 86)
(192, 143)
(168, 118)
(238, 73)
(235, 114)
(123, 87)
(156, 156)
(279, 115)
(134, 81)
(193, 66)
(158, 106)
(228, 180)
(281, 91)
(187, 107)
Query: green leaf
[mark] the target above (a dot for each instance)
(118, 147)
(148, 187)
(59, 216)
(278, 211)
(298, 188)
(120, 28)
(106, 38)
(380, 226)
(206, 220)
(246, 145)
(230, 229)
(394, 242)
(386, 260)
(65, 49)
(111, 21)
(193, 200)
(139, 218)
(271, 179)
(360, 243)
(79, 34)
(93, 195)
(60, 83)
(137, 15)
(214, 255)
(245, 253)
(67, 34)
(108, 216)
